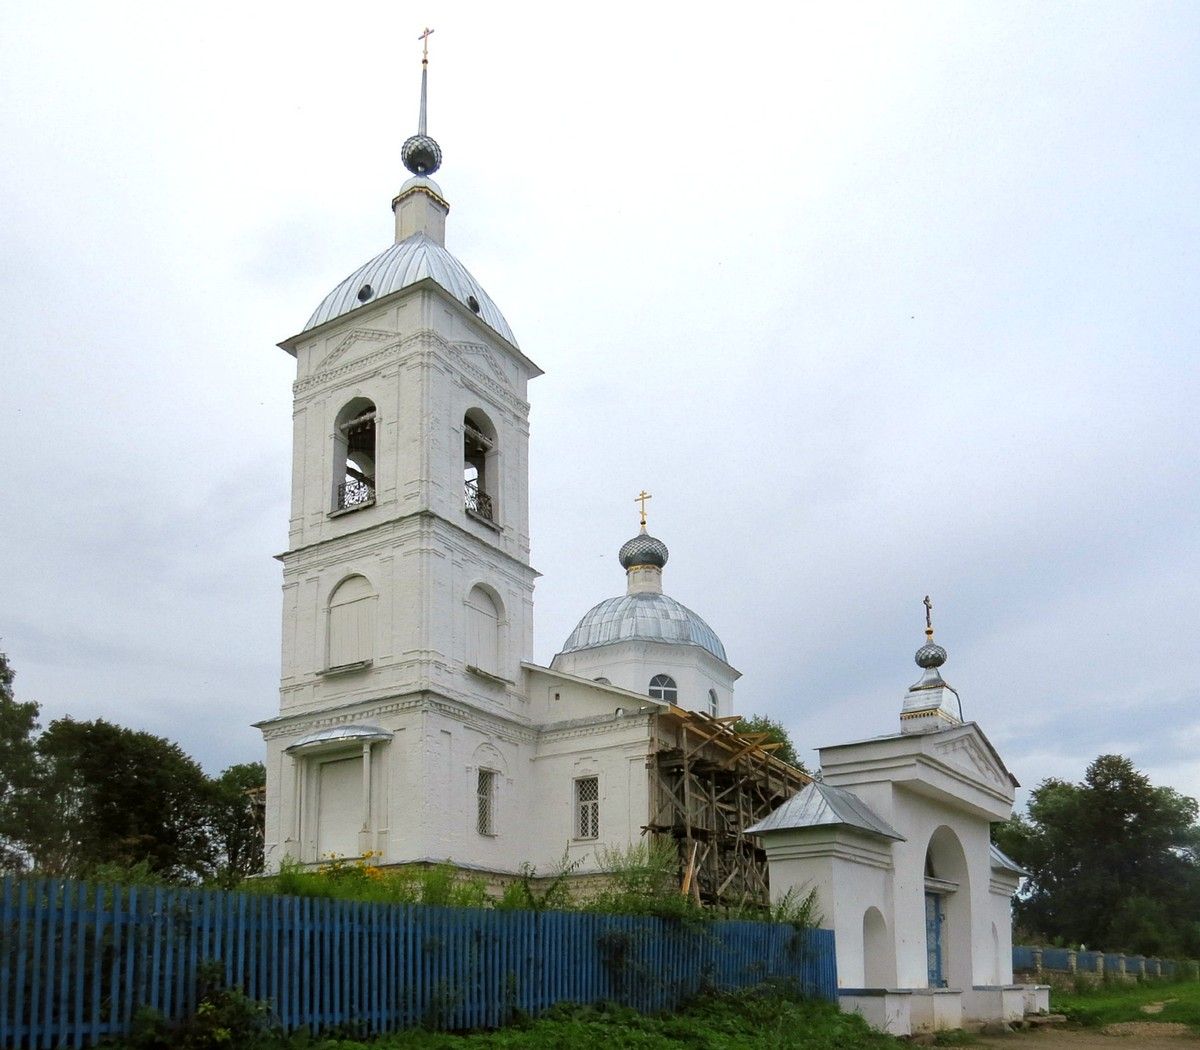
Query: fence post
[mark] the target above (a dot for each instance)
(1099, 964)
(1037, 960)
(1072, 960)
(1122, 964)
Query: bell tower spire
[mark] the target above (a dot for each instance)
(420, 208)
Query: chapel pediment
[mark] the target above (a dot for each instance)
(968, 750)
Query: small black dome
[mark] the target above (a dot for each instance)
(421, 155)
(643, 549)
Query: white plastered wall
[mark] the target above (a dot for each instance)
(630, 665)
(851, 873)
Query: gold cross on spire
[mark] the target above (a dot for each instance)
(928, 617)
(641, 498)
(424, 38)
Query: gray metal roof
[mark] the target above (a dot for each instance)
(647, 616)
(414, 259)
(1003, 861)
(822, 805)
(342, 734)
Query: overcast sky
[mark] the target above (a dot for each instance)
(876, 300)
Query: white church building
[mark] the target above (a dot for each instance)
(413, 721)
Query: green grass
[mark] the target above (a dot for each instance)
(762, 1018)
(1110, 1003)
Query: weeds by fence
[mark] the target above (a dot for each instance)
(77, 959)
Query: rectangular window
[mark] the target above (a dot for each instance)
(587, 808)
(485, 799)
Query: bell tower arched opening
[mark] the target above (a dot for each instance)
(354, 455)
(480, 473)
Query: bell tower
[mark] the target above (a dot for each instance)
(407, 592)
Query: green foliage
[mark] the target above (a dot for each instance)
(225, 1019)
(124, 874)
(1113, 862)
(796, 908)
(237, 823)
(359, 879)
(115, 795)
(776, 734)
(643, 879)
(93, 799)
(18, 772)
(555, 896)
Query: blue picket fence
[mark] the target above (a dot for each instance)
(78, 959)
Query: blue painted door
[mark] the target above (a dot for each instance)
(933, 939)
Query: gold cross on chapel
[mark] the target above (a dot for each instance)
(641, 498)
(424, 38)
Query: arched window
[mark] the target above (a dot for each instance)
(483, 631)
(354, 455)
(480, 489)
(712, 702)
(662, 687)
(351, 623)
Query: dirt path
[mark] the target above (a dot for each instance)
(1129, 1035)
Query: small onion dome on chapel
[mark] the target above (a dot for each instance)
(643, 549)
(930, 654)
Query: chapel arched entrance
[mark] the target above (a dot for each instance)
(947, 912)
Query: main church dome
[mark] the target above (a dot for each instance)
(413, 259)
(646, 616)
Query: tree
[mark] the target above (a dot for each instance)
(237, 821)
(18, 770)
(112, 795)
(1113, 861)
(776, 734)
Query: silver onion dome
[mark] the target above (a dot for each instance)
(930, 655)
(643, 549)
(421, 154)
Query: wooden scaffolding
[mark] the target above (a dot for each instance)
(708, 784)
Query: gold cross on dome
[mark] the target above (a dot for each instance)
(641, 498)
(424, 38)
(928, 615)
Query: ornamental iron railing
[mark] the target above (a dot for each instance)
(478, 502)
(354, 493)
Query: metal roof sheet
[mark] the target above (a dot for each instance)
(823, 805)
(1003, 861)
(411, 260)
(340, 734)
(646, 616)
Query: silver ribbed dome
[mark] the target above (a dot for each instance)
(414, 259)
(647, 617)
(643, 549)
(930, 655)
